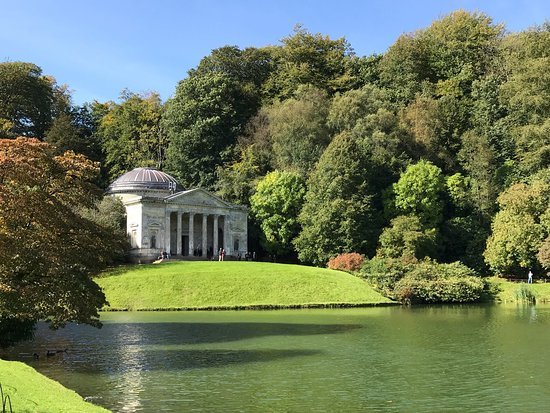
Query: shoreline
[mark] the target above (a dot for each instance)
(258, 307)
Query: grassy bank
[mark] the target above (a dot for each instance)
(232, 284)
(30, 391)
(509, 290)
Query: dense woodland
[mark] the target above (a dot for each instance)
(439, 148)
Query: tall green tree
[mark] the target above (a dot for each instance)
(131, 133)
(202, 123)
(298, 128)
(520, 227)
(26, 100)
(276, 204)
(419, 192)
(236, 181)
(406, 237)
(310, 59)
(338, 215)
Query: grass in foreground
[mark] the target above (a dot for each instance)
(30, 391)
(190, 285)
(508, 290)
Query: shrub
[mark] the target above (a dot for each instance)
(411, 289)
(383, 273)
(525, 294)
(425, 281)
(349, 262)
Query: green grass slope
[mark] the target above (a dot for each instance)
(508, 290)
(232, 284)
(30, 391)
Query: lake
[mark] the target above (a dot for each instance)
(486, 358)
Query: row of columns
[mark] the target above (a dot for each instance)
(192, 233)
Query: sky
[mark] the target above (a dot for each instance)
(101, 47)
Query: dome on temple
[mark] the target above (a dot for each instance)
(144, 181)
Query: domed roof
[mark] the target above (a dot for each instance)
(144, 179)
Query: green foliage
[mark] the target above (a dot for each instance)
(298, 130)
(236, 181)
(131, 134)
(14, 330)
(338, 215)
(425, 281)
(419, 192)
(309, 59)
(417, 289)
(478, 159)
(525, 294)
(464, 239)
(517, 231)
(26, 100)
(458, 189)
(202, 123)
(384, 273)
(405, 237)
(276, 204)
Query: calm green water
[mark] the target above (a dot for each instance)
(430, 359)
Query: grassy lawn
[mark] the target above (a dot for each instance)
(192, 284)
(30, 391)
(508, 290)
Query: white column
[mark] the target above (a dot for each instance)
(215, 237)
(191, 233)
(204, 234)
(167, 233)
(226, 238)
(178, 239)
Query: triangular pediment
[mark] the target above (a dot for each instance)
(197, 196)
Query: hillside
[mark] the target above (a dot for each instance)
(232, 284)
(30, 391)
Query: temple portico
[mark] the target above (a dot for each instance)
(189, 233)
(192, 223)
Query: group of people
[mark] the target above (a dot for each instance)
(248, 256)
(197, 252)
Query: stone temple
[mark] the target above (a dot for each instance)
(163, 217)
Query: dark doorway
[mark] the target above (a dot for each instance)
(220, 239)
(185, 245)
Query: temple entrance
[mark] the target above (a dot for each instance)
(185, 245)
(220, 239)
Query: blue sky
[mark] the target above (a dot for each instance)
(100, 47)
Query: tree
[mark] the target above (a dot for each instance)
(338, 215)
(299, 131)
(131, 134)
(405, 237)
(276, 204)
(26, 100)
(310, 59)
(236, 181)
(419, 192)
(75, 129)
(370, 116)
(48, 249)
(526, 94)
(202, 123)
(519, 228)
